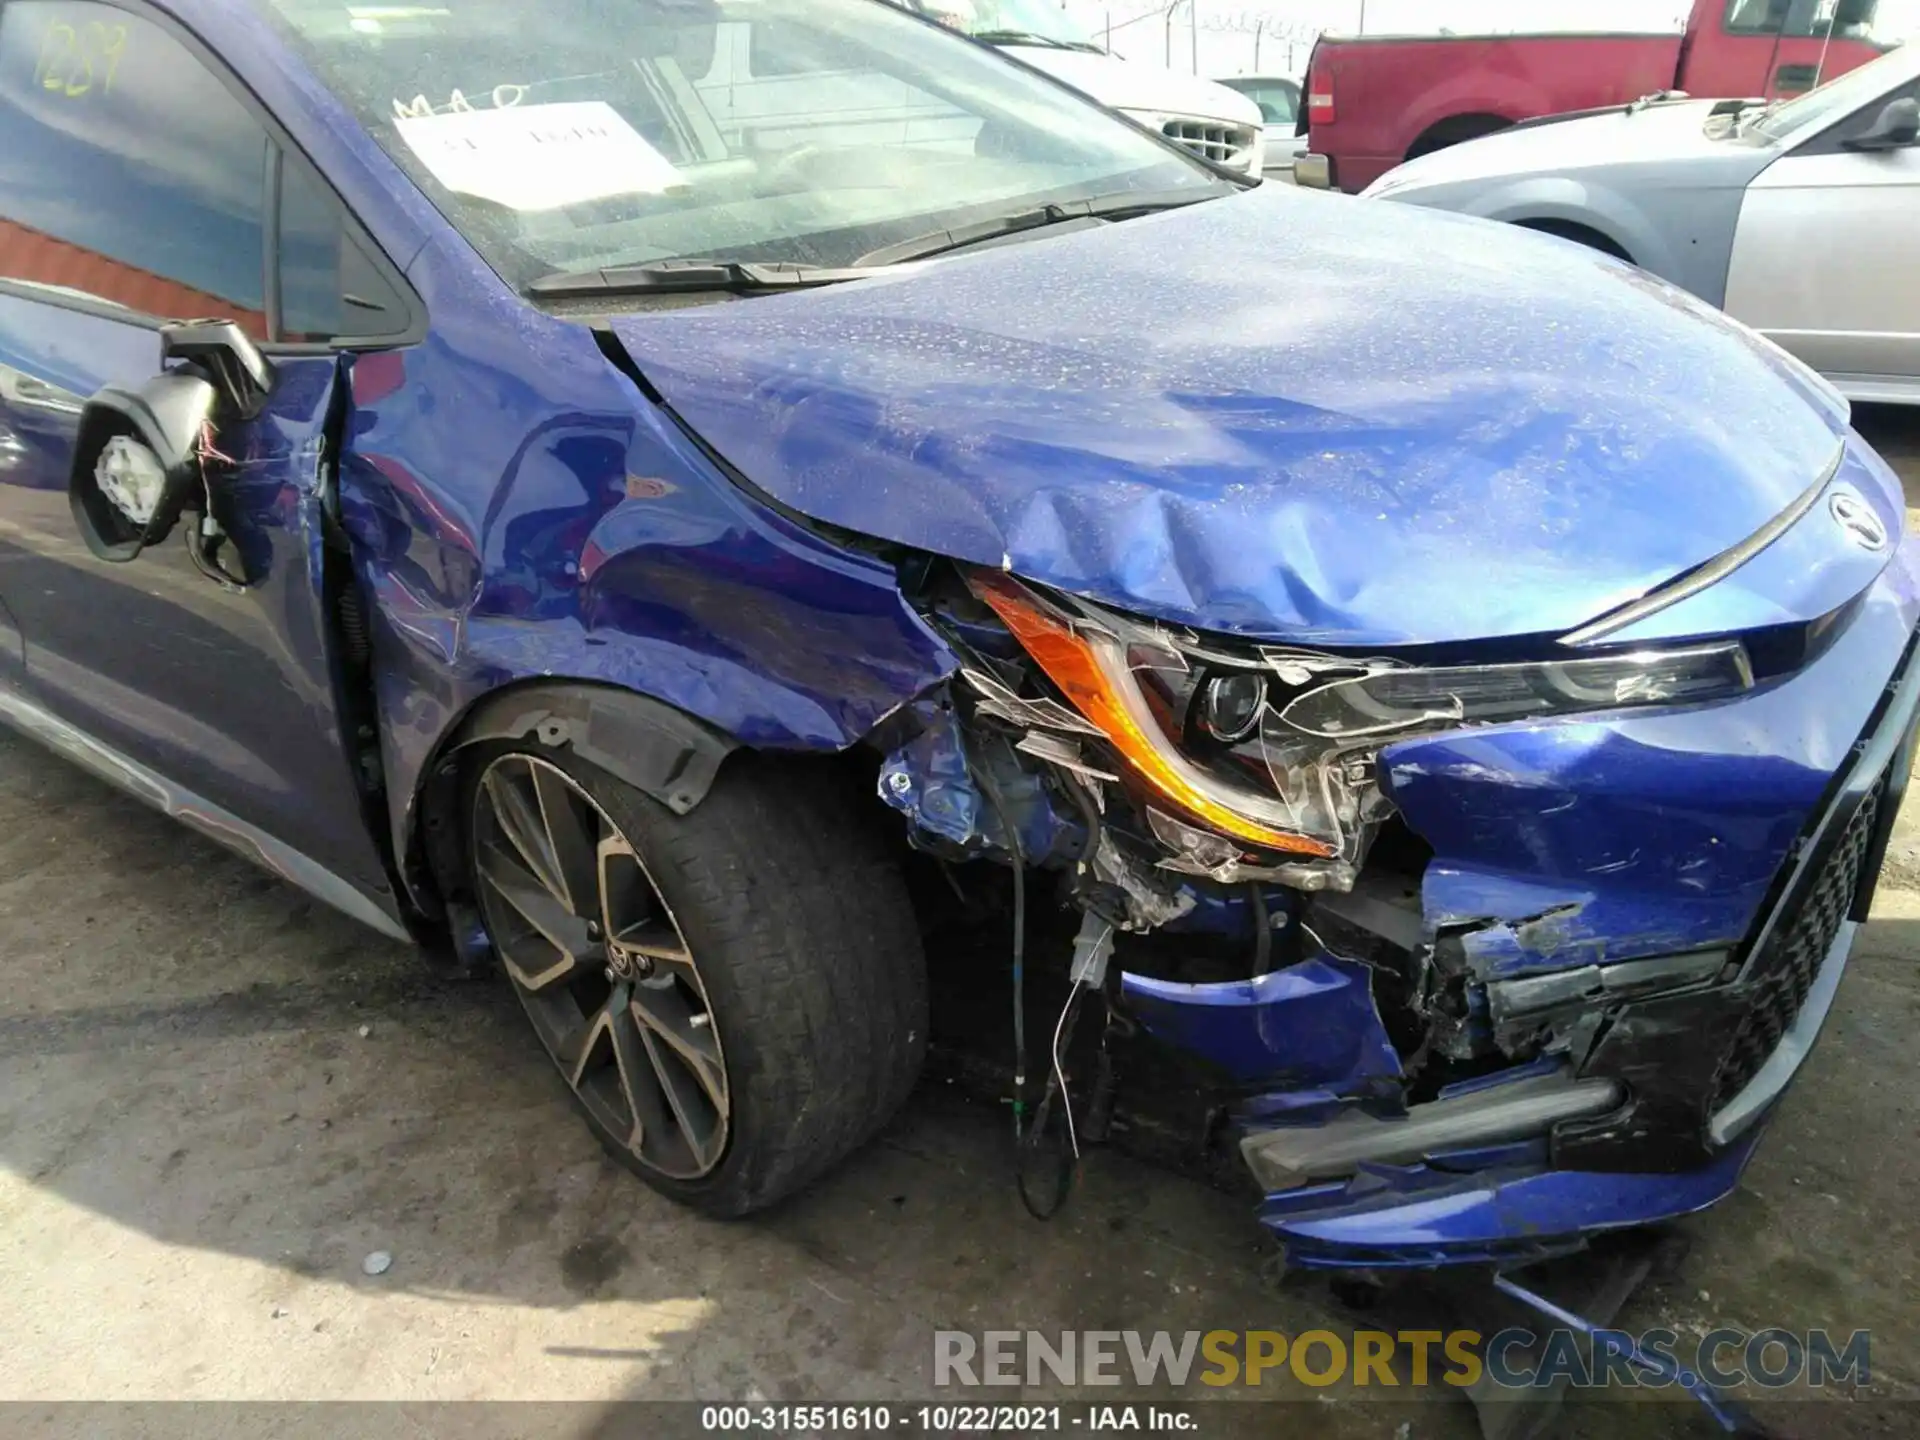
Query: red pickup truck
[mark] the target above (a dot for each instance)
(1374, 101)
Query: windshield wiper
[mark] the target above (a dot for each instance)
(1122, 204)
(1752, 119)
(669, 277)
(1024, 37)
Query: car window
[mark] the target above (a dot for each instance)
(1802, 19)
(1805, 115)
(626, 131)
(1279, 100)
(1860, 121)
(330, 286)
(1277, 103)
(128, 172)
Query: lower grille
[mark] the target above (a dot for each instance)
(1209, 139)
(1795, 953)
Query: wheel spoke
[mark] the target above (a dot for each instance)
(568, 899)
(549, 919)
(518, 813)
(664, 1011)
(656, 939)
(700, 1122)
(579, 1051)
(572, 840)
(626, 895)
(639, 1085)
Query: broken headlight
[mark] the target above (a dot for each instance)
(1387, 702)
(1256, 759)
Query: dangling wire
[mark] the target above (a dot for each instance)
(205, 556)
(999, 807)
(1046, 1206)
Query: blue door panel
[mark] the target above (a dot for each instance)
(229, 693)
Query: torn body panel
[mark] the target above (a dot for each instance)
(1564, 980)
(1311, 1026)
(1591, 841)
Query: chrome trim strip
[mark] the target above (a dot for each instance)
(209, 819)
(1713, 571)
(1764, 1088)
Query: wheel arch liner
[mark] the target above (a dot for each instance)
(653, 747)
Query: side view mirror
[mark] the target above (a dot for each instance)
(141, 455)
(1895, 128)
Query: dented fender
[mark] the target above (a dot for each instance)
(576, 534)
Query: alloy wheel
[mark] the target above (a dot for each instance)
(601, 966)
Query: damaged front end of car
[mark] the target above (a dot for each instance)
(1518, 945)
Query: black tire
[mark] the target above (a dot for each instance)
(1456, 130)
(794, 913)
(1580, 235)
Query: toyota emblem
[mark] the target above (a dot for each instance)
(1856, 517)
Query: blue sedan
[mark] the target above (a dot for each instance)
(702, 505)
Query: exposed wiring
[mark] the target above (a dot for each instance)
(1315, 938)
(1063, 1179)
(999, 806)
(1089, 813)
(1060, 1073)
(207, 562)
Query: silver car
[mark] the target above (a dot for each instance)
(1800, 218)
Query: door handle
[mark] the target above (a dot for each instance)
(21, 389)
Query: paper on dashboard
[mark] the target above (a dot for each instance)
(539, 157)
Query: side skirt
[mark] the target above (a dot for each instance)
(209, 819)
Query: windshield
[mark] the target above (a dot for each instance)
(1839, 98)
(621, 132)
(1010, 22)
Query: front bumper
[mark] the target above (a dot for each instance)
(1652, 911)
(1700, 1066)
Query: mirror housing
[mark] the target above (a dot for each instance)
(221, 350)
(136, 462)
(139, 454)
(1895, 128)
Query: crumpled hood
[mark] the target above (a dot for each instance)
(1281, 414)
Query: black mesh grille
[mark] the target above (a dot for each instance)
(1786, 971)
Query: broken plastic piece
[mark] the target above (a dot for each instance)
(1001, 703)
(1282, 1159)
(932, 781)
(1531, 994)
(1092, 948)
(1057, 750)
(1092, 669)
(1150, 901)
(1311, 1026)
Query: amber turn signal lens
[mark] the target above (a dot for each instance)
(1072, 663)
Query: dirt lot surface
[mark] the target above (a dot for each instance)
(217, 1098)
